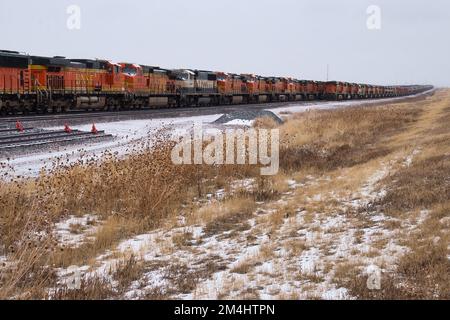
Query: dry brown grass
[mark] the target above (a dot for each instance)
(127, 272)
(231, 215)
(266, 252)
(326, 140)
(181, 240)
(421, 186)
(91, 289)
(425, 271)
(265, 122)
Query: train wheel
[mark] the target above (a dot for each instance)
(11, 109)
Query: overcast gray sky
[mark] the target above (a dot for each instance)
(285, 37)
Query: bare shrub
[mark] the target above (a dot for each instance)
(265, 123)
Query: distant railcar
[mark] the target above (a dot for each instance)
(231, 88)
(335, 90)
(346, 91)
(354, 91)
(252, 87)
(363, 91)
(310, 89)
(160, 87)
(205, 82)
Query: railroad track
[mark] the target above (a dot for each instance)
(7, 130)
(40, 136)
(82, 117)
(23, 143)
(142, 112)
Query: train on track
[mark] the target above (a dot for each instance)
(56, 84)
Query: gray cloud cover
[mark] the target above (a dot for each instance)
(284, 37)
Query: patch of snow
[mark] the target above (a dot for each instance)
(74, 231)
(336, 294)
(309, 260)
(137, 244)
(410, 158)
(240, 122)
(246, 184)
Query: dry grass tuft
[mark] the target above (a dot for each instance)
(231, 215)
(91, 289)
(424, 184)
(265, 123)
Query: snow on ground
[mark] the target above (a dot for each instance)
(74, 231)
(240, 122)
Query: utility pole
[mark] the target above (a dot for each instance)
(328, 71)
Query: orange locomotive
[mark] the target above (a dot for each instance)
(14, 81)
(232, 88)
(258, 88)
(334, 90)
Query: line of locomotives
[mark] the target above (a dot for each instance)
(56, 84)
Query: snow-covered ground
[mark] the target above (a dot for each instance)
(73, 231)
